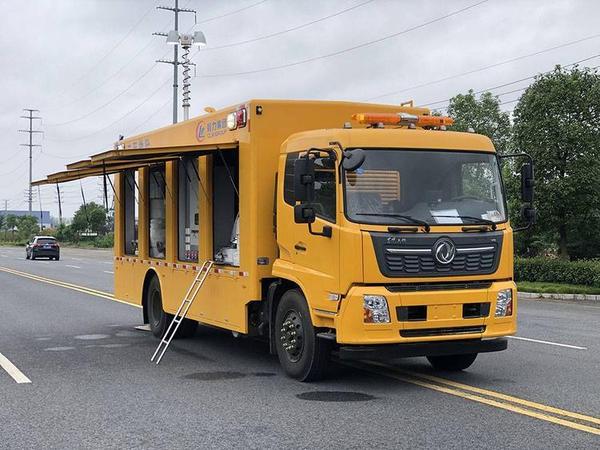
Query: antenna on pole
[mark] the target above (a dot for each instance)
(31, 132)
(175, 62)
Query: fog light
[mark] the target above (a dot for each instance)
(375, 309)
(504, 304)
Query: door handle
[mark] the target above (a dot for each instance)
(300, 247)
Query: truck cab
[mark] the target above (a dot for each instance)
(399, 241)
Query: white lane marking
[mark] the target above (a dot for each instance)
(547, 342)
(108, 271)
(4, 256)
(76, 259)
(12, 370)
(107, 262)
(74, 267)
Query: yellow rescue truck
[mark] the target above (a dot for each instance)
(367, 231)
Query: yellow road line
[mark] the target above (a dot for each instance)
(63, 284)
(387, 372)
(505, 397)
(41, 278)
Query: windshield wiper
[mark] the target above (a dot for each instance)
(410, 220)
(476, 220)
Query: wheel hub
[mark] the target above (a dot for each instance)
(292, 335)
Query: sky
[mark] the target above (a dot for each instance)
(89, 65)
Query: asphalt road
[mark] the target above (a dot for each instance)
(92, 384)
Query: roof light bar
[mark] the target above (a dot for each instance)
(403, 119)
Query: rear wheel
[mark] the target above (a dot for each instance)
(32, 255)
(57, 257)
(301, 353)
(159, 320)
(452, 362)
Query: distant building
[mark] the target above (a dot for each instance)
(45, 215)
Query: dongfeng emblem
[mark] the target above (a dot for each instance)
(444, 251)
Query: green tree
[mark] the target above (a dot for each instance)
(484, 116)
(89, 217)
(557, 121)
(27, 227)
(11, 224)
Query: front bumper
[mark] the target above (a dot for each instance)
(394, 351)
(43, 253)
(445, 319)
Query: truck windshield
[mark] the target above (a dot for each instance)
(439, 187)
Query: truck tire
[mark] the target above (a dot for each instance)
(159, 320)
(452, 362)
(302, 355)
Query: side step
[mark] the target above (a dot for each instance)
(188, 299)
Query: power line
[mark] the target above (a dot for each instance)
(107, 54)
(104, 105)
(480, 69)
(232, 12)
(345, 50)
(288, 30)
(235, 44)
(161, 86)
(515, 82)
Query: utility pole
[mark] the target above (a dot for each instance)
(31, 132)
(175, 62)
(41, 214)
(5, 216)
(59, 205)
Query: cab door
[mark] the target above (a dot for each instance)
(310, 259)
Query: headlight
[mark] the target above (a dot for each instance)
(376, 309)
(504, 305)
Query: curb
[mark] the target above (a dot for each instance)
(539, 295)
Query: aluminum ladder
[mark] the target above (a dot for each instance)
(189, 298)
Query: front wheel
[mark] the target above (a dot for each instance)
(452, 362)
(301, 353)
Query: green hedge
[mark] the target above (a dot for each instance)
(585, 272)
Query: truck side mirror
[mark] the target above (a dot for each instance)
(304, 213)
(527, 183)
(353, 159)
(304, 180)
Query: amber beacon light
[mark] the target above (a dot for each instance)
(403, 119)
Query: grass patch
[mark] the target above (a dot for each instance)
(556, 288)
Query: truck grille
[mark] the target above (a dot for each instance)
(413, 256)
(468, 262)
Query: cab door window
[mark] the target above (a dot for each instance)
(325, 186)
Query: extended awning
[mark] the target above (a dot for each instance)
(118, 160)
